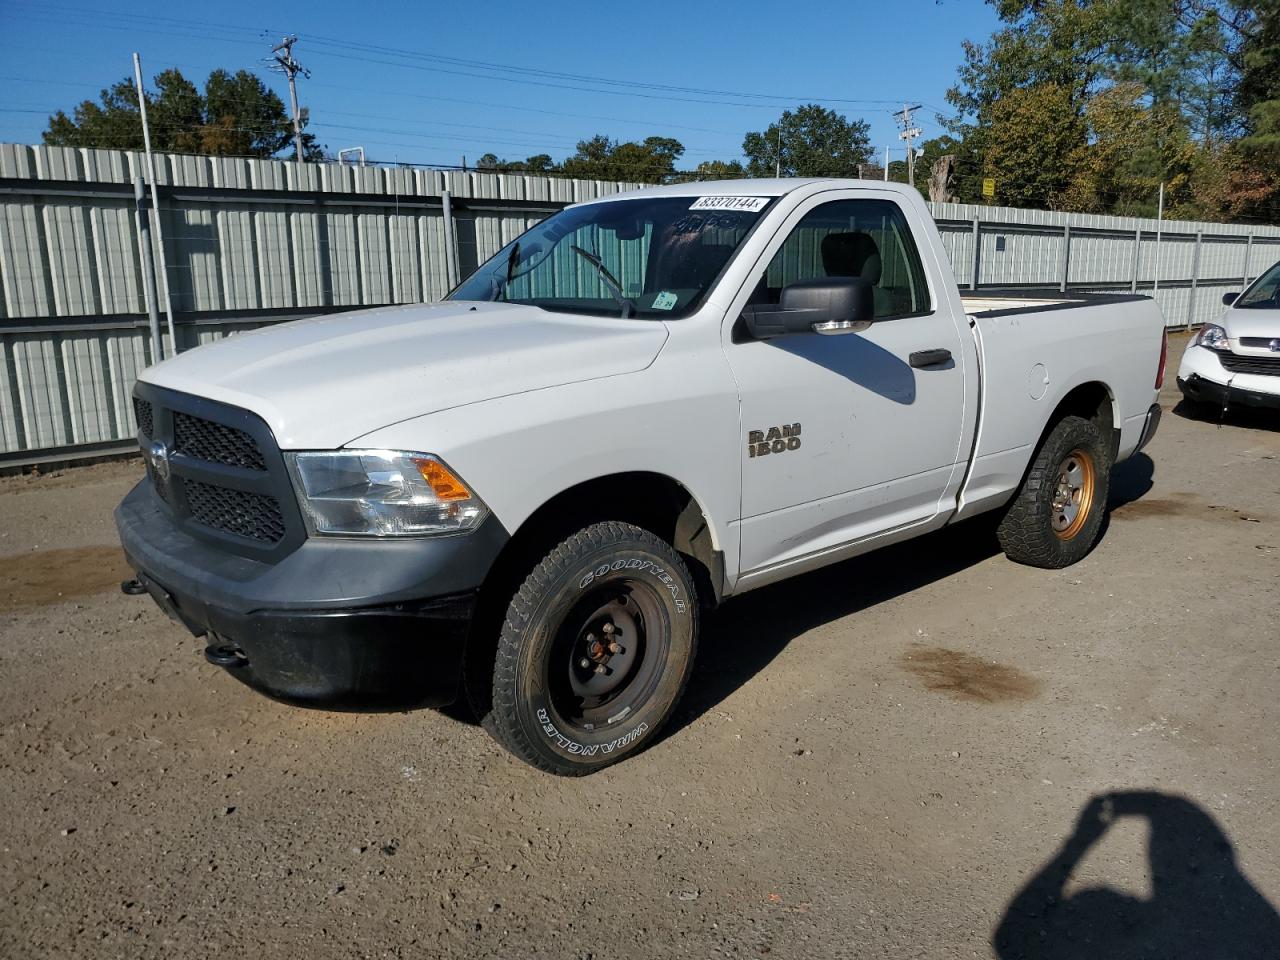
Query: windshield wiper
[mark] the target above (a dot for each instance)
(500, 285)
(610, 281)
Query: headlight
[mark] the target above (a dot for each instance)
(1213, 336)
(382, 493)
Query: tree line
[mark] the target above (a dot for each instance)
(235, 115)
(1091, 105)
(1078, 105)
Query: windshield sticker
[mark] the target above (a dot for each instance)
(752, 204)
(665, 300)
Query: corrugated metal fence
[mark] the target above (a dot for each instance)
(248, 242)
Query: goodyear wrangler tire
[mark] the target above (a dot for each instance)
(596, 650)
(1057, 514)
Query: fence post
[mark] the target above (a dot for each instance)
(1137, 264)
(148, 267)
(450, 247)
(1248, 251)
(977, 254)
(1195, 279)
(1066, 256)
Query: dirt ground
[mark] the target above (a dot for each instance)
(928, 752)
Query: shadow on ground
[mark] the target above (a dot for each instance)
(1252, 418)
(748, 632)
(745, 635)
(1202, 907)
(742, 638)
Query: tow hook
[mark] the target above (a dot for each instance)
(132, 588)
(225, 655)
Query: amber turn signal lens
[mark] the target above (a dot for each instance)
(444, 484)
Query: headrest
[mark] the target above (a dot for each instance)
(851, 255)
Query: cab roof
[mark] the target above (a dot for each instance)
(763, 187)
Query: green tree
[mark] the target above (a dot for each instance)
(538, 163)
(1258, 95)
(1180, 92)
(811, 141)
(236, 115)
(1258, 100)
(1028, 146)
(1063, 43)
(651, 161)
(719, 170)
(1133, 146)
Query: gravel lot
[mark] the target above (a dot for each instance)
(929, 752)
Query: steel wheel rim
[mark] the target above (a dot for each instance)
(597, 676)
(1073, 493)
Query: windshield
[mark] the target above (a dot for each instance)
(653, 257)
(1265, 292)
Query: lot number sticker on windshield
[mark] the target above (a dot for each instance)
(751, 204)
(665, 300)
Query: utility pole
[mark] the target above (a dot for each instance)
(909, 134)
(1155, 286)
(155, 207)
(291, 68)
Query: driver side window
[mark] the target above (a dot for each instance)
(853, 238)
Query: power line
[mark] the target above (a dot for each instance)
(578, 78)
(525, 75)
(423, 96)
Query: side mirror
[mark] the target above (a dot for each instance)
(828, 305)
(1229, 298)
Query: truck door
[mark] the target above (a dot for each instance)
(845, 437)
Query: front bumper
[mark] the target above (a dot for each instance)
(1202, 390)
(337, 623)
(1203, 379)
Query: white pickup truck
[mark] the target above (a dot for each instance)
(644, 405)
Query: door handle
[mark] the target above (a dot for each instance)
(930, 358)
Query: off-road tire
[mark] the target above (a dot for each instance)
(1026, 533)
(531, 714)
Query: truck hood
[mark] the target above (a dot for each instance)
(321, 382)
(1251, 322)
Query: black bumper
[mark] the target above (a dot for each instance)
(1200, 390)
(340, 624)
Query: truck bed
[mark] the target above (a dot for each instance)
(1109, 340)
(1004, 301)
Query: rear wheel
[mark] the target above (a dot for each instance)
(595, 651)
(1055, 518)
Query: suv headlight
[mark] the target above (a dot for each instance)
(382, 493)
(1214, 337)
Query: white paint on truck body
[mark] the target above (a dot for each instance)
(524, 403)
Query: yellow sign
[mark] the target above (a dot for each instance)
(988, 187)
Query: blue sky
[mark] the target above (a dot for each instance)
(428, 83)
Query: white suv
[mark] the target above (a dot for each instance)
(1237, 359)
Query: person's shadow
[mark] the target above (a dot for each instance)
(1202, 907)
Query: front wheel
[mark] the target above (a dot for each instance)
(1057, 514)
(596, 649)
